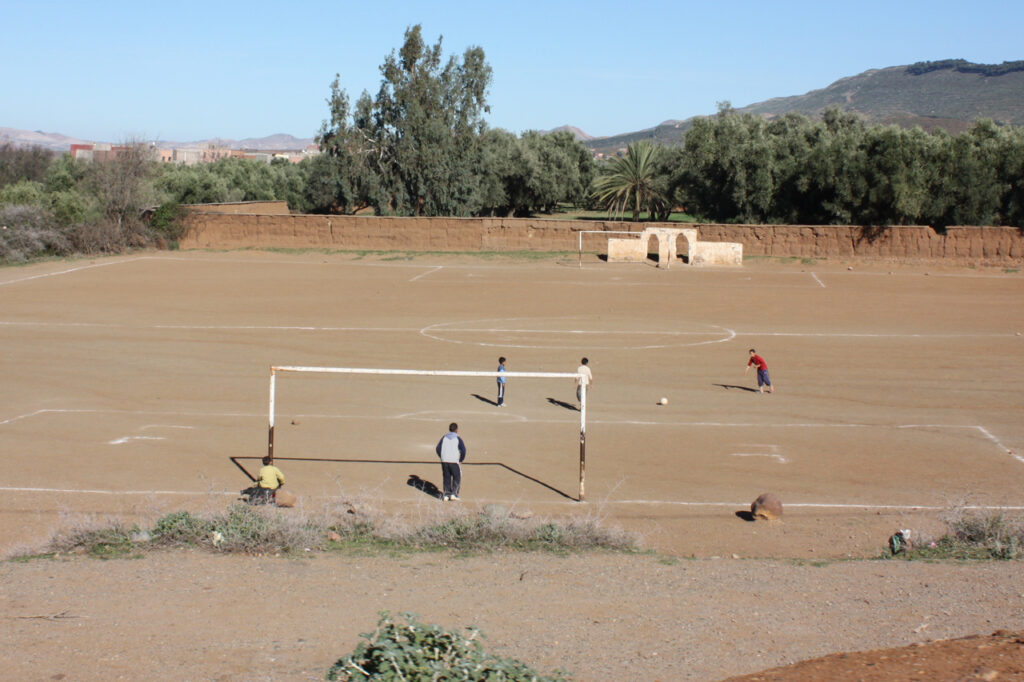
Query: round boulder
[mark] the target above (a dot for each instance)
(766, 506)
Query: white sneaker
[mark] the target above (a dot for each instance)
(454, 497)
(445, 498)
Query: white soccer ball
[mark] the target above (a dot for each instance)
(664, 401)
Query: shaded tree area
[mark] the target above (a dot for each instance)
(234, 179)
(839, 170)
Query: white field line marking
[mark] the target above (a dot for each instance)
(780, 458)
(126, 439)
(436, 332)
(818, 505)
(864, 335)
(772, 451)
(703, 272)
(552, 266)
(676, 503)
(818, 280)
(434, 416)
(88, 491)
(998, 442)
(440, 329)
(602, 332)
(68, 271)
(164, 426)
(131, 412)
(428, 272)
(520, 419)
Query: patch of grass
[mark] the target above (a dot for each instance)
(110, 542)
(1011, 271)
(572, 213)
(25, 558)
(347, 528)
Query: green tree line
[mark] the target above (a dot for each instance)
(421, 147)
(838, 170)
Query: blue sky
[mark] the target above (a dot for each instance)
(183, 71)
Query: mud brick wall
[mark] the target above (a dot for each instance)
(249, 225)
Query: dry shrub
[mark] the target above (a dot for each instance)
(993, 531)
(102, 236)
(30, 232)
(973, 532)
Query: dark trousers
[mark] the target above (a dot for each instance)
(451, 474)
(258, 495)
(501, 392)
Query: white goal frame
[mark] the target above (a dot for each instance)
(581, 379)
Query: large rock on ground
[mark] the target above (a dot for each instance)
(766, 506)
(283, 498)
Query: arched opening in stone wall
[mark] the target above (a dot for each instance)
(682, 247)
(652, 248)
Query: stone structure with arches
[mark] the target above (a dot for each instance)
(635, 250)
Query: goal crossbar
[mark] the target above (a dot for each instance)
(581, 379)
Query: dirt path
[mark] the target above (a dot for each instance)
(599, 616)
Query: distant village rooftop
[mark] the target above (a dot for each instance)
(193, 155)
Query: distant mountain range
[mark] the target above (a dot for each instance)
(949, 94)
(61, 143)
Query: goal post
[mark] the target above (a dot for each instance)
(581, 379)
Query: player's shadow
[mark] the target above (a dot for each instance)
(746, 515)
(485, 400)
(424, 486)
(543, 484)
(739, 388)
(562, 403)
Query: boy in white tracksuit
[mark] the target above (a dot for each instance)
(452, 452)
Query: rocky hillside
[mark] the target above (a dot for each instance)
(948, 94)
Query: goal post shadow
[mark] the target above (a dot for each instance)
(236, 460)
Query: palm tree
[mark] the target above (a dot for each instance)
(631, 182)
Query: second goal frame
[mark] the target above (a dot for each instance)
(581, 379)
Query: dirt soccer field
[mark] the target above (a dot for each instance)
(137, 385)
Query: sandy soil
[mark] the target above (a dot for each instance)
(136, 386)
(194, 616)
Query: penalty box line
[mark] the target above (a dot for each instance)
(988, 435)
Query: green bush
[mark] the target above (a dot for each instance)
(405, 649)
(181, 528)
(168, 221)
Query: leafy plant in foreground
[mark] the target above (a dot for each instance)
(405, 649)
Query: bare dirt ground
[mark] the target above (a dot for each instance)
(135, 386)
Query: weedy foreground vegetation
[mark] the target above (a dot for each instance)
(292, 532)
(972, 534)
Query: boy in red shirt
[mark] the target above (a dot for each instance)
(762, 371)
